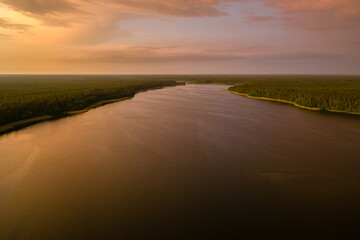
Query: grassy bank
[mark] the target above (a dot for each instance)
(25, 100)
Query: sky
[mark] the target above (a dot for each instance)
(180, 36)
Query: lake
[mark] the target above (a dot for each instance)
(183, 162)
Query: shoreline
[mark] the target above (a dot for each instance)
(291, 103)
(10, 127)
(32, 121)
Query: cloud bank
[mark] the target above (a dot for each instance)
(99, 32)
(307, 14)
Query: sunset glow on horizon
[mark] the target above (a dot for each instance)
(180, 36)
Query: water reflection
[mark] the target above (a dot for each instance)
(180, 162)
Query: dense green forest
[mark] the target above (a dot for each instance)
(29, 96)
(339, 93)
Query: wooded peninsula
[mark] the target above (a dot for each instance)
(339, 94)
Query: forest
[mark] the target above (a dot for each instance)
(30, 96)
(329, 93)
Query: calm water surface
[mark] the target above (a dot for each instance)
(182, 162)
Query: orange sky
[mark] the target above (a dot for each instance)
(180, 36)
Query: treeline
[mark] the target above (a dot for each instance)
(327, 93)
(341, 93)
(23, 97)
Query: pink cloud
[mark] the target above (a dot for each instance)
(150, 54)
(338, 8)
(180, 8)
(209, 8)
(177, 54)
(314, 14)
(305, 5)
(308, 14)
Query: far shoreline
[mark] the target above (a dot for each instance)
(293, 103)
